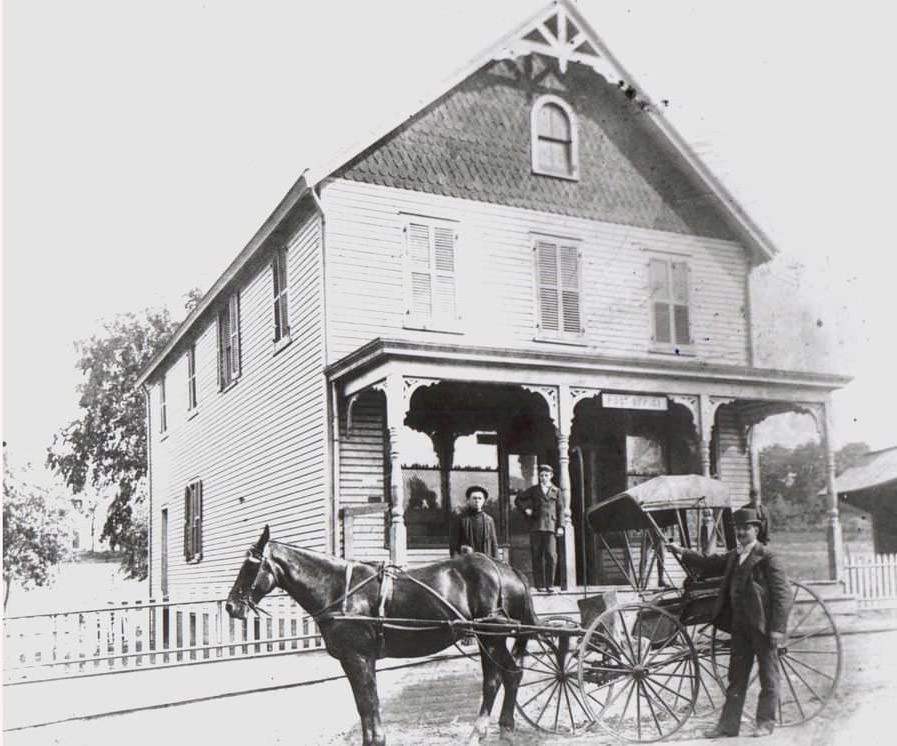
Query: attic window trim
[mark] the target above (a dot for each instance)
(550, 99)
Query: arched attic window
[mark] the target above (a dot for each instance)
(555, 139)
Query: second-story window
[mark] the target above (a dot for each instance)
(229, 342)
(191, 378)
(431, 277)
(558, 286)
(163, 407)
(669, 302)
(279, 280)
(555, 150)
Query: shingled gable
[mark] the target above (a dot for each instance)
(557, 32)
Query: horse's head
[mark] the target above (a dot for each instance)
(256, 579)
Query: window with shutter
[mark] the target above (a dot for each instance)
(554, 138)
(431, 274)
(669, 288)
(193, 522)
(191, 377)
(163, 407)
(229, 342)
(279, 281)
(558, 287)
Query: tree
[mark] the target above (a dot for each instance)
(37, 533)
(792, 478)
(106, 447)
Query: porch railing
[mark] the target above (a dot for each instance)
(872, 578)
(150, 634)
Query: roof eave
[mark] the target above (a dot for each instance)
(292, 198)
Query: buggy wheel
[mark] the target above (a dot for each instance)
(548, 697)
(809, 660)
(638, 672)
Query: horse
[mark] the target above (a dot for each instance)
(431, 607)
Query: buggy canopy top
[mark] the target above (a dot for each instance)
(661, 497)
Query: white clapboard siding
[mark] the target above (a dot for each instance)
(366, 292)
(259, 447)
(733, 459)
(361, 454)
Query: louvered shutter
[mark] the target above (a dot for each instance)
(444, 272)
(197, 519)
(223, 347)
(188, 524)
(420, 301)
(570, 288)
(547, 282)
(234, 314)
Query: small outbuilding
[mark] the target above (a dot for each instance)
(871, 485)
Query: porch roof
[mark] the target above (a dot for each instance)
(373, 361)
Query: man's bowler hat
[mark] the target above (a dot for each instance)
(545, 467)
(744, 516)
(476, 488)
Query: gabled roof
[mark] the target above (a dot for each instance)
(558, 30)
(875, 468)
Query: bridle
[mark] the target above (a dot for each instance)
(264, 564)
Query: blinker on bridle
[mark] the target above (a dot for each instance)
(262, 560)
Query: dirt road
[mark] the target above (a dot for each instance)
(436, 705)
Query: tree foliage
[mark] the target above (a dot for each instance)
(106, 447)
(791, 479)
(37, 533)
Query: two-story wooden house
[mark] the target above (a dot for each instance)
(533, 267)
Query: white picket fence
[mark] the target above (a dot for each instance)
(872, 578)
(150, 634)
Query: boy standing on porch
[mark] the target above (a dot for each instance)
(474, 530)
(541, 504)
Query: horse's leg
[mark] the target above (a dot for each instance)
(362, 673)
(511, 674)
(491, 682)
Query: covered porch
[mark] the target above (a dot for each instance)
(414, 426)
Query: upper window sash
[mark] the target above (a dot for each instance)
(431, 271)
(669, 286)
(555, 138)
(558, 275)
(281, 303)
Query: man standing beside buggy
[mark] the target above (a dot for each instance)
(541, 504)
(753, 605)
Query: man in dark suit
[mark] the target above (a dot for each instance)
(753, 606)
(541, 504)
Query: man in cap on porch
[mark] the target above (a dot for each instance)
(753, 605)
(541, 504)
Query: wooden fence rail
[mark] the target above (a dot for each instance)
(872, 578)
(148, 635)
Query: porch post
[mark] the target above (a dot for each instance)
(835, 539)
(398, 535)
(708, 406)
(564, 424)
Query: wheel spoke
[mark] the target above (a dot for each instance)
(794, 694)
(792, 660)
(818, 632)
(790, 664)
(660, 699)
(552, 682)
(547, 702)
(671, 691)
(626, 633)
(536, 681)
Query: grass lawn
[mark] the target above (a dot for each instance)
(805, 552)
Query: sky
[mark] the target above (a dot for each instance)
(145, 142)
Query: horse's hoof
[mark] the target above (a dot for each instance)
(506, 735)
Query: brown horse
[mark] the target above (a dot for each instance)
(358, 607)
